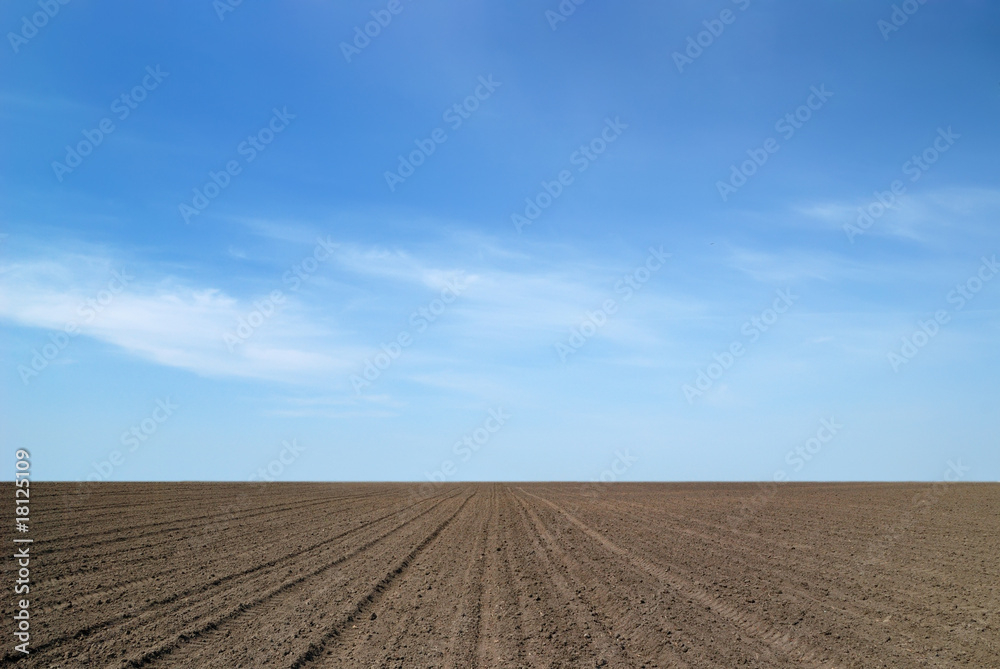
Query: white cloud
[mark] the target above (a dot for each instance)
(166, 321)
(514, 310)
(313, 340)
(923, 217)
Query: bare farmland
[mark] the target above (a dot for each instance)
(513, 575)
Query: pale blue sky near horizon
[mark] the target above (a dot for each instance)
(379, 190)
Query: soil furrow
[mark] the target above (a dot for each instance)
(527, 575)
(796, 650)
(315, 650)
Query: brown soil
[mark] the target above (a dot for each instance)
(511, 575)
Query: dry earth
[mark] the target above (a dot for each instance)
(512, 575)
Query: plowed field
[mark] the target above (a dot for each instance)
(512, 575)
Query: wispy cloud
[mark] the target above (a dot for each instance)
(926, 218)
(164, 320)
(183, 323)
(513, 308)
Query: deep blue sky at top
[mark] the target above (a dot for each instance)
(656, 185)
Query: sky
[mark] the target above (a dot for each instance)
(412, 240)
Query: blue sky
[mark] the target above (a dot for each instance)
(609, 212)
